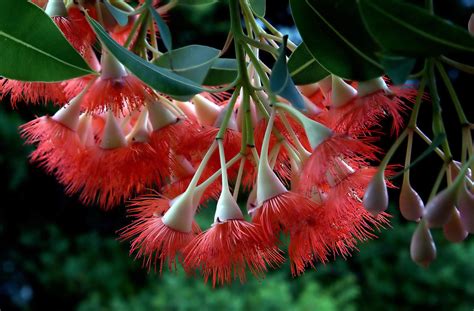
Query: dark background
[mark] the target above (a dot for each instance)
(58, 255)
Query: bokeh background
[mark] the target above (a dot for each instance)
(58, 255)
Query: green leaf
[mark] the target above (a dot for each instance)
(160, 79)
(197, 2)
(335, 35)
(165, 32)
(33, 48)
(258, 7)
(281, 82)
(303, 67)
(120, 16)
(223, 71)
(192, 62)
(409, 30)
(398, 68)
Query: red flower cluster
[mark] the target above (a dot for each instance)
(306, 172)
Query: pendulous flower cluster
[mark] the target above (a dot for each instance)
(308, 176)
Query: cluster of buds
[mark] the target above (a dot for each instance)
(308, 174)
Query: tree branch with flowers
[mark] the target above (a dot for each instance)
(292, 128)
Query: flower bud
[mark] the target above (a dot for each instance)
(438, 209)
(465, 205)
(422, 247)
(376, 195)
(411, 205)
(470, 25)
(453, 230)
(454, 167)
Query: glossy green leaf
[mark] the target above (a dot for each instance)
(409, 30)
(223, 71)
(196, 2)
(398, 68)
(258, 7)
(303, 67)
(192, 62)
(120, 16)
(162, 80)
(335, 35)
(281, 82)
(165, 32)
(33, 48)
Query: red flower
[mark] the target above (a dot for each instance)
(326, 156)
(32, 92)
(281, 213)
(161, 230)
(227, 249)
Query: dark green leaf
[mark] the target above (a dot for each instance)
(162, 80)
(120, 16)
(165, 32)
(223, 71)
(192, 62)
(258, 7)
(33, 48)
(281, 82)
(398, 68)
(409, 30)
(335, 35)
(304, 69)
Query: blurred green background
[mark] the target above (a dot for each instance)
(58, 255)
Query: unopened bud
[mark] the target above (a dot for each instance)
(411, 205)
(453, 230)
(438, 209)
(455, 167)
(470, 24)
(465, 205)
(422, 247)
(376, 195)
